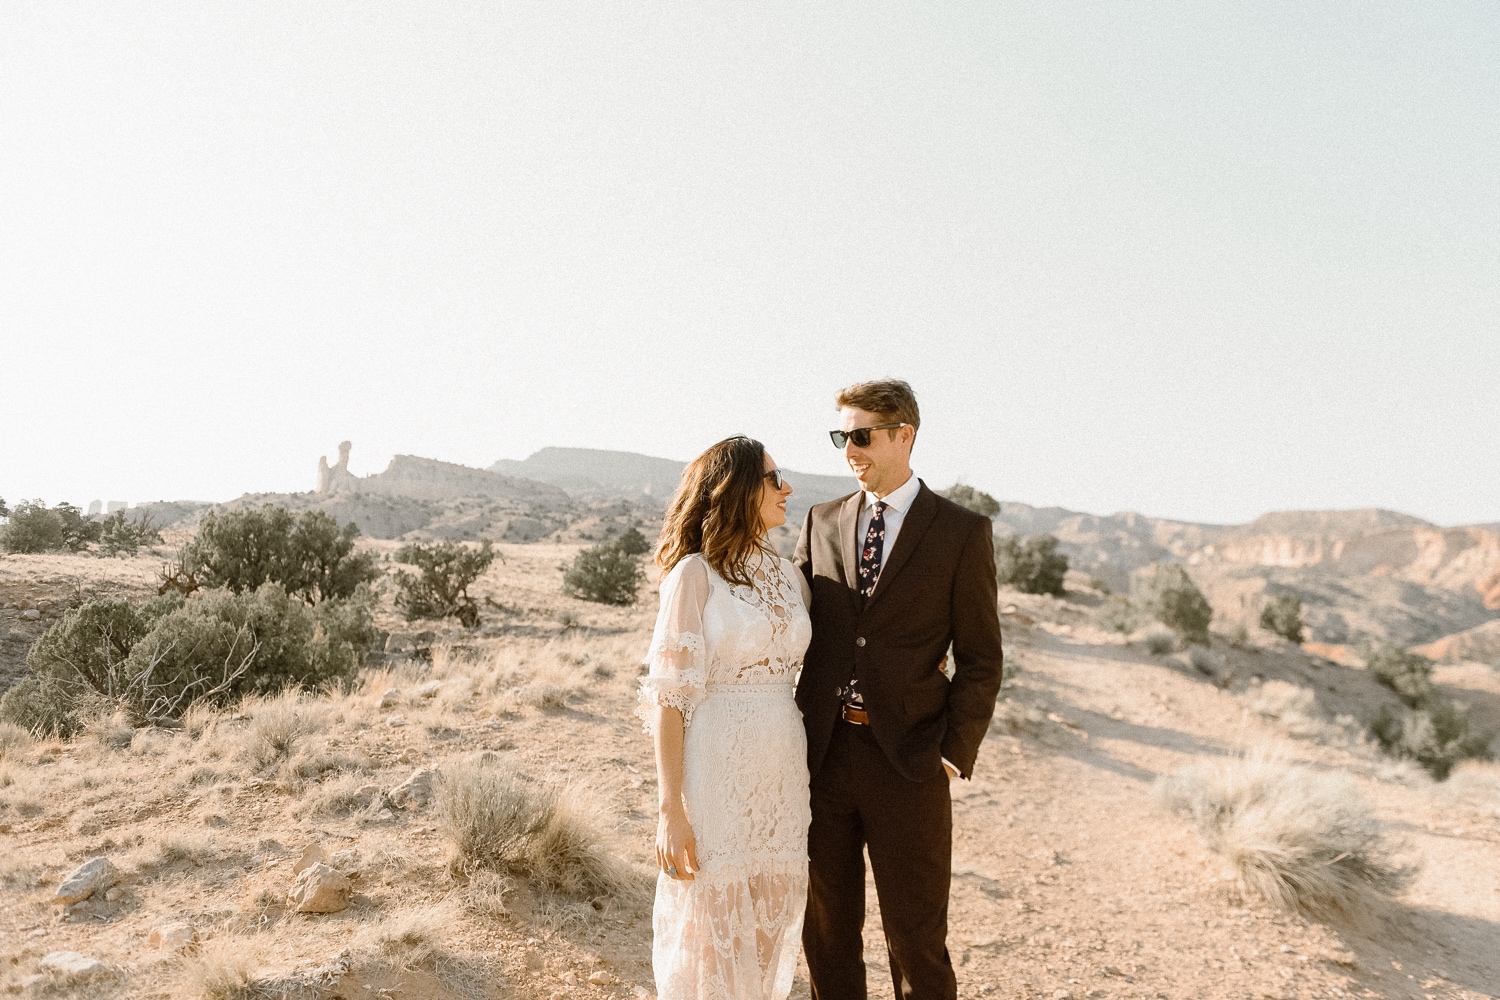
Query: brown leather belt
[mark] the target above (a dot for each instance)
(858, 716)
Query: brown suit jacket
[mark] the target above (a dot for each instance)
(937, 586)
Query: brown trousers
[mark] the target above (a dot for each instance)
(859, 801)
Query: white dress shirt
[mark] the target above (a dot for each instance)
(897, 503)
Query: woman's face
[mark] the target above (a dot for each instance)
(772, 500)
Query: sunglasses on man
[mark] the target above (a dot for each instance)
(860, 435)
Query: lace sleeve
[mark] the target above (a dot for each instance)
(678, 658)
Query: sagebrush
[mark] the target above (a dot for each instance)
(308, 555)
(1165, 592)
(606, 574)
(1032, 565)
(440, 589)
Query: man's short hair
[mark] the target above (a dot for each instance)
(891, 398)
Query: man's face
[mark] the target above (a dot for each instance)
(886, 463)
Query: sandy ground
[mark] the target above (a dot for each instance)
(1068, 880)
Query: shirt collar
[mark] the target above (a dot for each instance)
(899, 498)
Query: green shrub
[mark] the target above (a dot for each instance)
(441, 589)
(35, 528)
(632, 543)
(1436, 735)
(123, 536)
(150, 663)
(1165, 592)
(605, 574)
(1283, 616)
(1404, 672)
(967, 496)
(308, 555)
(48, 705)
(1032, 565)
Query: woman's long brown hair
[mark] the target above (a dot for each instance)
(716, 510)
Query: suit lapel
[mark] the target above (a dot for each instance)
(848, 544)
(913, 527)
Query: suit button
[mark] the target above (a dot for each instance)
(860, 641)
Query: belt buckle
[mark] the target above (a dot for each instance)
(848, 713)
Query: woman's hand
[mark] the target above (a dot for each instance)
(676, 851)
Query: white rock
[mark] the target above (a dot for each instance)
(313, 855)
(71, 965)
(416, 791)
(396, 721)
(31, 616)
(95, 875)
(599, 977)
(428, 690)
(179, 935)
(319, 889)
(390, 699)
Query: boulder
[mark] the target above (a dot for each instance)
(177, 936)
(428, 690)
(30, 616)
(95, 875)
(314, 854)
(390, 699)
(318, 888)
(71, 966)
(416, 791)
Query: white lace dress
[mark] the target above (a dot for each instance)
(727, 657)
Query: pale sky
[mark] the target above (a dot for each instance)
(1197, 261)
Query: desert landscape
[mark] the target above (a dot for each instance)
(329, 841)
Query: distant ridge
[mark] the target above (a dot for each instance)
(594, 473)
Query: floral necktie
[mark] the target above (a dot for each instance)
(869, 556)
(869, 572)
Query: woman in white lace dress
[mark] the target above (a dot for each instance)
(731, 752)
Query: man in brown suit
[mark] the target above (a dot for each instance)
(897, 574)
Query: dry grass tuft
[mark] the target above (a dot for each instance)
(175, 851)
(1301, 840)
(484, 896)
(543, 837)
(411, 939)
(1018, 718)
(1475, 782)
(277, 726)
(347, 796)
(109, 732)
(15, 742)
(1159, 640)
(221, 971)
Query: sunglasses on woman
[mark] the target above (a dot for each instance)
(860, 435)
(776, 479)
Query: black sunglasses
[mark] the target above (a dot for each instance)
(775, 478)
(860, 435)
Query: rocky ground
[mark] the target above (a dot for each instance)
(225, 839)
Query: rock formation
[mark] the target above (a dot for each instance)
(332, 480)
